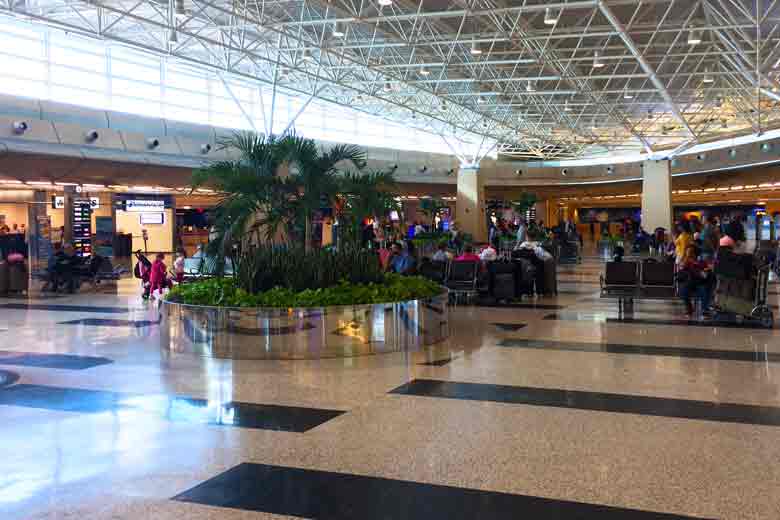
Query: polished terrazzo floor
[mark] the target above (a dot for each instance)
(563, 409)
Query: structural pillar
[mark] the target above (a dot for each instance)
(470, 210)
(656, 195)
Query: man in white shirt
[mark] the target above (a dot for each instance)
(489, 254)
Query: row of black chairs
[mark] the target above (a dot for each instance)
(460, 278)
(647, 279)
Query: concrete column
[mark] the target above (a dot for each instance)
(656, 195)
(470, 210)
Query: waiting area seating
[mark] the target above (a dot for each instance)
(638, 280)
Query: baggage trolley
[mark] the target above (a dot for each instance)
(735, 298)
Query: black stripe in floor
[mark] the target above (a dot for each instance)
(316, 494)
(558, 316)
(438, 362)
(518, 305)
(63, 308)
(184, 409)
(510, 327)
(61, 361)
(106, 322)
(595, 401)
(643, 350)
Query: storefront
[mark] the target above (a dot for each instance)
(145, 223)
(14, 221)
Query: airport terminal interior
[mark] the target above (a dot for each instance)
(390, 259)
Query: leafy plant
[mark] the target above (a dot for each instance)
(526, 202)
(365, 195)
(226, 292)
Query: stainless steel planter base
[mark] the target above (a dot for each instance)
(303, 333)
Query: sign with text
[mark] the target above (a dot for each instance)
(82, 227)
(144, 206)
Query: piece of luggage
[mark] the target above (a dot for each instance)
(734, 265)
(17, 278)
(502, 280)
(3, 278)
(525, 276)
(547, 283)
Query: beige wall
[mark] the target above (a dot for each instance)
(160, 235)
(15, 213)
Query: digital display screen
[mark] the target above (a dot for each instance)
(82, 227)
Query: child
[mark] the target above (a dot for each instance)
(158, 278)
(178, 267)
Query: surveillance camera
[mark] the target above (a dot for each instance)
(394, 167)
(152, 142)
(518, 172)
(451, 171)
(564, 171)
(206, 148)
(79, 188)
(733, 153)
(424, 169)
(20, 127)
(610, 169)
(701, 156)
(91, 136)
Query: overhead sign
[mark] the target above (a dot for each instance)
(144, 206)
(82, 227)
(58, 202)
(94, 202)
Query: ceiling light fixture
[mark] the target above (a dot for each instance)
(694, 36)
(424, 71)
(708, 77)
(179, 9)
(388, 87)
(598, 62)
(529, 87)
(306, 55)
(628, 95)
(338, 32)
(481, 100)
(385, 3)
(549, 17)
(172, 36)
(475, 49)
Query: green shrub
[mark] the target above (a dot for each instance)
(263, 268)
(226, 292)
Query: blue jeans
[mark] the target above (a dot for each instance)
(700, 289)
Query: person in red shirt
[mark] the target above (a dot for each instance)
(158, 277)
(468, 255)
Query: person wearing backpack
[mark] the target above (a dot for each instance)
(710, 238)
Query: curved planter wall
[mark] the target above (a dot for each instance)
(303, 333)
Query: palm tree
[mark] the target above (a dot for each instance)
(366, 196)
(315, 175)
(251, 191)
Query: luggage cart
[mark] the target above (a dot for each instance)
(733, 298)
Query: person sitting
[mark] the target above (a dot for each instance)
(695, 278)
(617, 254)
(441, 254)
(468, 255)
(64, 269)
(400, 261)
(489, 254)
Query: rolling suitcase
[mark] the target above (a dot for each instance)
(525, 277)
(3, 278)
(502, 280)
(17, 278)
(549, 277)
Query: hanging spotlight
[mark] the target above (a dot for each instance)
(708, 77)
(529, 87)
(627, 95)
(424, 71)
(718, 102)
(306, 55)
(733, 153)
(766, 147)
(388, 87)
(724, 123)
(694, 36)
(566, 106)
(481, 100)
(385, 3)
(475, 49)
(172, 36)
(179, 11)
(444, 106)
(338, 32)
(597, 61)
(549, 17)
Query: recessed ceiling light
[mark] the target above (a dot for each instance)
(597, 61)
(549, 17)
(694, 36)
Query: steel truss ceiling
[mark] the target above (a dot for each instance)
(543, 80)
